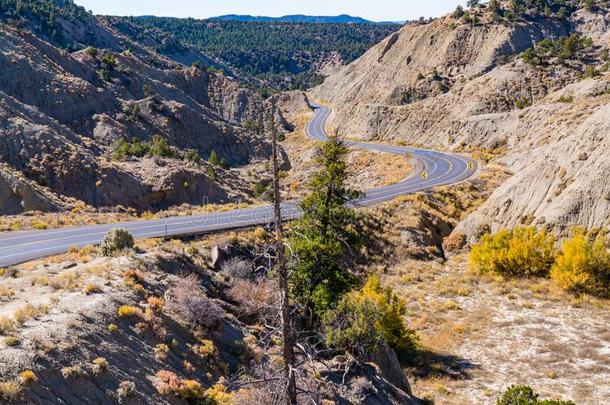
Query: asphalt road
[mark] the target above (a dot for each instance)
(439, 168)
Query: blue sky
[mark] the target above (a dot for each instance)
(378, 10)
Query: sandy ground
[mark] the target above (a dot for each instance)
(487, 334)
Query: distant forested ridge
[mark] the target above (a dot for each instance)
(297, 18)
(266, 55)
(280, 54)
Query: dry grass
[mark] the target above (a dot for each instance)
(72, 372)
(70, 281)
(9, 391)
(29, 311)
(6, 292)
(373, 169)
(91, 289)
(6, 325)
(11, 341)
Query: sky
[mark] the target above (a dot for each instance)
(376, 10)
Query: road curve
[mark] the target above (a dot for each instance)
(440, 168)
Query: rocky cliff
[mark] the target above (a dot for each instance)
(458, 85)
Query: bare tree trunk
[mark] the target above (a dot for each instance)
(287, 335)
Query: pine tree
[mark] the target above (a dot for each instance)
(324, 240)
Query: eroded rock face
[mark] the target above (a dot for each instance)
(18, 195)
(60, 120)
(452, 86)
(378, 94)
(553, 184)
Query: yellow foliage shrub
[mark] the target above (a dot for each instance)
(169, 383)
(219, 394)
(190, 390)
(91, 288)
(364, 318)
(518, 252)
(206, 349)
(9, 391)
(391, 308)
(161, 350)
(583, 264)
(27, 377)
(126, 311)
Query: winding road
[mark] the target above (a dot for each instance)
(436, 169)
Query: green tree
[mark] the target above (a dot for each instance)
(324, 242)
(160, 148)
(495, 9)
(588, 5)
(147, 90)
(525, 395)
(214, 159)
(459, 12)
(224, 163)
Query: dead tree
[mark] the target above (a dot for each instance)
(286, 325)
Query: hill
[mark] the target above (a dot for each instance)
(527, 89)
(94, 119)
(280, 55)
(298, 18)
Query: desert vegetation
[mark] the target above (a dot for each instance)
(581, 264)
(525, 395)
(116, 240)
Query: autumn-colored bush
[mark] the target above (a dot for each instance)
(583, 264)
(169, 383)
(218, 394)
(27, 377)
(206, 349)
(366, 317)
(517, 252)
(127, 311)
(156, 303)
